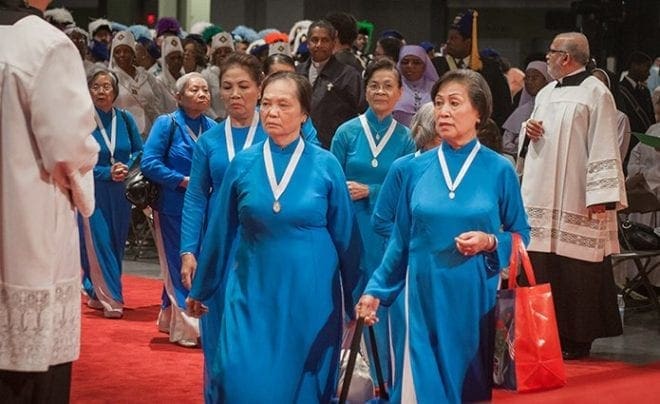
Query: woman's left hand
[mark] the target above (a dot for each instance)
(119, 171)
(357, 190)
(474, 242)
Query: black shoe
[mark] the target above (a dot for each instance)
(574, 354)
(572, 350)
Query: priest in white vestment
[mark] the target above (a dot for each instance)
(46, 157)
(572, 186)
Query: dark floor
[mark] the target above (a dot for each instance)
(639, 344)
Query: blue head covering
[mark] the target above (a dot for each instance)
(428, 46)
(99, 50)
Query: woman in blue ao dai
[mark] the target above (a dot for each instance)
(103, 235)
(458, 207)
(240, 78)
(284, 202)
(167, 161)
(366, 146)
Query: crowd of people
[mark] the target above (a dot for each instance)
(304, 180)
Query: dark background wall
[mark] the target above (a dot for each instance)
(515, 28)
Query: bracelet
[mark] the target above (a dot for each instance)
(185, 253)
(492, 241)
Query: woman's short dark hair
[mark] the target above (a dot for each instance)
(477, 89)
(381, 64)
(303, 88)
(277, 58)
(391, 47)
(114, 81)
(246, 61)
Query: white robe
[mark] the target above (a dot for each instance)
(45, 126)
(143, 96)
(574, 165)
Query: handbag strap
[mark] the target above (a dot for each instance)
(382, 390)
(352, 357)
(518, 256)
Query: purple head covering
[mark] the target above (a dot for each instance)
(417, 93)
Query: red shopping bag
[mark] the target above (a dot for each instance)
(527, 349)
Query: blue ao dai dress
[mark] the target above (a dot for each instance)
(351, 148)
(167, 160)
(210, 161)
(103, 235)
(448, 297)
(282, 314)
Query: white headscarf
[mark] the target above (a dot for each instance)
(121, 38)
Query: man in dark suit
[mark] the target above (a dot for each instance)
(636, 97)
(463, 53)
(337, 90)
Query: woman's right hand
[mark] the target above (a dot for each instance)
(366, 308)
(118, 171)
(188, 267)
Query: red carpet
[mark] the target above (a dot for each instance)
(129, 361)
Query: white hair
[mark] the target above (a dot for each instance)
(182, 82)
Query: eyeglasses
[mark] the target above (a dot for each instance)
(552, 51)
(375, 87)
(97, 88)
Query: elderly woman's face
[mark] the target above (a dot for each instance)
(412, 67)
(456, 118)
(174, 62)
(220, 54)
(124, 57)
(190, 57)
(195, 97)
(239, 92)
(383, 91)
(102, 92)
(281, 112)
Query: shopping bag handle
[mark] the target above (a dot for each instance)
(352, 357)
(518, 256)
(350, 366)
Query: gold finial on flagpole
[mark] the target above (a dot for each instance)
(475, 60)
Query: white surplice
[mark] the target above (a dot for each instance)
(47, 149)
(574, 165)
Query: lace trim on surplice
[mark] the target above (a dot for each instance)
(602, 175)
(552, 229)
(39, 327)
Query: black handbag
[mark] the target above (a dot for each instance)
(637, 236)
(140, 190)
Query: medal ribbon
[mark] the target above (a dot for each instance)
(278, 189)
(111, 141)
(229, 139)
(375, 150)
(466, 165)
